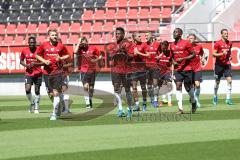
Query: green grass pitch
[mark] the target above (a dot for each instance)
(213, 133)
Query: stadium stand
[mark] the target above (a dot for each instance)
(92, 17)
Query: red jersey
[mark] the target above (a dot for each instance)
(181, 49)
(120, 60)
(152, 49)
(85, 59)
(221, 46)
(138, 62)
(165, 62)
(49, 52)
(30, 58)
(196, 61)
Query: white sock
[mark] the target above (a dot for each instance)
(197, 94)
(29, 97)
(179, 97)
(229, 90)
(155, 92)
(215, 90)
(169, 97)
(150, 93)
(36, 101)
(164, 97)
(56, 101)
(137, 103)
(66, 100)
(119, 101)
(87, 100)
(191, 94)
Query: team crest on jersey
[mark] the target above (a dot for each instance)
(52, 49)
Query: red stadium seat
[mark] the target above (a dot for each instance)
(121, 24)
(155, 13)
(42, 28)
(87, 15)
(133, 3)
(108, 27)
(64, 28)
(166, 3)
(21, 29)
(73, 39)
(41, 38)
(53, 25)
(178, 2)
(1, 39)
(132, 26)
(75, 28)
(111, 3)
(8, 40)
(122, 3)
(154, 25)
(156, 3)
(106, 38)
(110, 14)
(121, 14)
(97, 27)
(86, 27)
(10, 29)
(19, 40)
(32, 28)
(166, 12)
(2, 28)
(144, 3)
(64, 38)
(95, 39)
(99, 15)
(132, 14)
(87, 35)
(143, 26)
(144, 13)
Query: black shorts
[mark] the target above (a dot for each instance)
(153, 73)
(87, 77)
(37, 80)
(121, 78)
(219, 71)
(56, 81)
(197, 76)
(139, 76)
(166, 77)
(184, 76)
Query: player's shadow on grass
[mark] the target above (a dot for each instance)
(106, 107)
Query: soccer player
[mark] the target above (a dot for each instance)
(138, 72)
(33, 73)
(196, 66)
(222, 53)
(165, 65)
(88, 57)
(120, 67)
(152, 49)
(52, 53)
(182, 53)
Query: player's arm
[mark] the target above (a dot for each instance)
(190, 51)
(216, 52)
(22, 60)
(137, 52)
(47, 62)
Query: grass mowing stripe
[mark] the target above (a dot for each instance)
(35, 142)
(213, 150)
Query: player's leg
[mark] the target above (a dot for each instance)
(65, 101)
(91, 87)
(150, 85)
(197, 81)
(188, 84)
(85, 78)
(135, 95)
(228, 75)
(143, 82)
(218, 73)
(37, 82)
(168, 79)
(127, 87)
(179, 80)
(155, 77)
(28, 86)
(48, 89)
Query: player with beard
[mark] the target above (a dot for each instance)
(182, 53)
(196, 66)
(222, 53)
(33, 74)
(52, 53)
(88, 56)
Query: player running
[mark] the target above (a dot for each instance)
(182, 53)
(33, 73)
(152, 49)
(165, 76)
(138, 71)
(222, 53)
(88, 56)
(52, 53)
(196, 66)
(120, 69)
